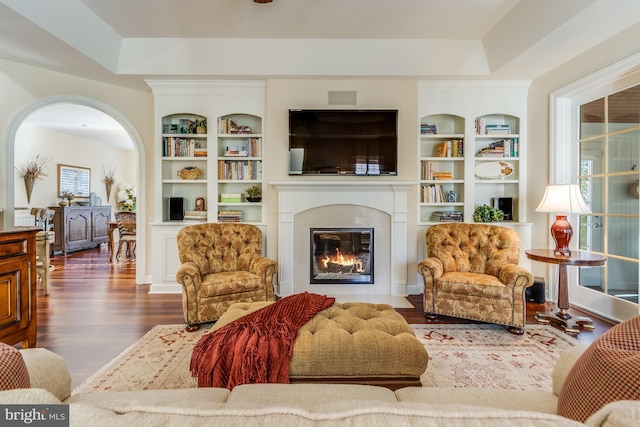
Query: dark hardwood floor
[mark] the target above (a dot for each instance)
(95, 311)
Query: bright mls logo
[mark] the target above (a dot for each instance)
(34, 415)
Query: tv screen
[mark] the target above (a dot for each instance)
(343, 142)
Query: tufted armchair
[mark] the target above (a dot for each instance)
(472, 272)
(221, 264)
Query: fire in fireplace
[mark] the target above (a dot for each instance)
(342, 255)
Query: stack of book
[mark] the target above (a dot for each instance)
(503, 148)
(195, 216)
(236, 151)
(428, 129)
(447, 216)
(429, 173)
(200, 152)
(500, 129)
(230, 198)
(230, 216)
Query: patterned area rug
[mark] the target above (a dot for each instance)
(488, 356)
(459, 356)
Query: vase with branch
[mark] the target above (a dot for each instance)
(109, 180)
(33, 170)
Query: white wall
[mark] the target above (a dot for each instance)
(59, 148)
(285, 94)
(23, 87)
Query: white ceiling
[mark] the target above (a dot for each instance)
(125, 42)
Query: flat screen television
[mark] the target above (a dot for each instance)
(343, 142)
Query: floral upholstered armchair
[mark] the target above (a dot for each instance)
(221, 264)
(472, 272)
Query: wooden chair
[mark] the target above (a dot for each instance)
(43, 218)
(222, 264)
(126, 222)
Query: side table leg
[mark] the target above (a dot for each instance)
(562, 317)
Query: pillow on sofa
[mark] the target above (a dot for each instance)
(13, 371)
(606, 372)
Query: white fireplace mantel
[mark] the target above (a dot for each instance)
(387, 196)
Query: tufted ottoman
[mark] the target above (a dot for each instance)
(351, 343)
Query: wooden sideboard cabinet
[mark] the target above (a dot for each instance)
(18, 286)
(80, 227)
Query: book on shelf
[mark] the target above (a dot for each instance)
(230, 197)
(442, 175)
(440, 149)
(426, 129)
(240, 169)
(230, 216)
(236, 151)
(195, 215)
(444, 216)
(225, 125)
(501, 128)
(432, 193)
(181, 147)
(502, 148)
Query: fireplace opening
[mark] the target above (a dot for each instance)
(341, 255)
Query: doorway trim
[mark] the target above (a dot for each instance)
(9, 163)
(564, 166)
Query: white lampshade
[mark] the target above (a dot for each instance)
(563, 198)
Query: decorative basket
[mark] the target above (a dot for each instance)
(189, 172)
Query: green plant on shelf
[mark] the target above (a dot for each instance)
(486, 213)
(254, 193)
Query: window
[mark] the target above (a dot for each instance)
(609, 146)
(595, 141)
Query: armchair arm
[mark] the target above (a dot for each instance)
(188, 275)
(431, 269)
(265, 268)
(515, 276)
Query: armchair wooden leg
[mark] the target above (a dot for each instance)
(192, 328)
(515, 330)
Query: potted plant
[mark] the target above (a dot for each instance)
(254, 193)
(486, 213)
(67, 198)
(201, 124)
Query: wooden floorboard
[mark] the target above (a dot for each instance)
(95, 311)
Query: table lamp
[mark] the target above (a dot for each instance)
(562, 199)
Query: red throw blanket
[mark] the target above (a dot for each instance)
(256, 348)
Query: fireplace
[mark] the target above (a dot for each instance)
(341, 255)
(375, 204)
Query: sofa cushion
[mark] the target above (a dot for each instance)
(13, 371)
(202, 398)
(522, 400)
(305, 395)
(606, 372)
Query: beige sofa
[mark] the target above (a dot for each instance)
(307, 404)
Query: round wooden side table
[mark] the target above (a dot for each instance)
(562, 317)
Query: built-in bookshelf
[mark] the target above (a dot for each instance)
(497, 160)
(465, 163)
(239, 166)
(442, 171)
(184, 159)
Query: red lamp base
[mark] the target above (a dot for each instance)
(562, 232)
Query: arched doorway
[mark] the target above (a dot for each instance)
(9, 157)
